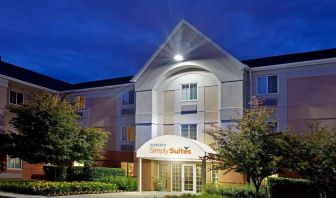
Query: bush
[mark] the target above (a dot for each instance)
(80, 173)
(55, 173)
(101, 172)
(237, 191)
(123, 183)
(287, 187)
(55, 188)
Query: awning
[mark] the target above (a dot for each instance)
(173, 147)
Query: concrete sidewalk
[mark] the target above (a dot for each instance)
(152, 194)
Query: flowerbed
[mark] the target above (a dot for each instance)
(55, 188)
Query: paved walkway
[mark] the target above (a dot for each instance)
(106, 195)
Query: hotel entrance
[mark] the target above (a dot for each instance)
(172, 163)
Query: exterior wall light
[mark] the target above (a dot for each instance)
(178, 57)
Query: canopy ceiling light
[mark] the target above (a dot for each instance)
(178, 57)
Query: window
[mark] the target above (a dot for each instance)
(127, 134)
(214, 173)
(80, 102)
(273, 125)
(267, 85)
(127, 98)
(189, 131)
(189, 92)
(14, 163)
(128, 167)
(15, 98)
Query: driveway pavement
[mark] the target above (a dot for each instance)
(106, 195)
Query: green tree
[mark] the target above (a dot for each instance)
(313, 156)
(47, 131)
(249, 147)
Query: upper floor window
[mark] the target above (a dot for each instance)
(127, 134)
(267, 84)
(273, 125)
(14, 163)
(80, 102)
(15, 98)
(189, 92)
(189, 131)
(127, 98)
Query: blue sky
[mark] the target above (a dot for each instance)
(85, 40)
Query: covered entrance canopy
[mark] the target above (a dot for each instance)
(173, 148)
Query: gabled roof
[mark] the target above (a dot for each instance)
(291, 58)
(178, 39)
(29, 76)
(101, 83)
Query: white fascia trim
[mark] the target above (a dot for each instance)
(179, 25)
(28, 84)
(157, 51)
(295, 64)
(96, 88)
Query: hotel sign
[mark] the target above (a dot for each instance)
(173, 147)
(162, 149)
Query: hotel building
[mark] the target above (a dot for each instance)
(157, 117)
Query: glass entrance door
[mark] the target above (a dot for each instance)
(188, 178)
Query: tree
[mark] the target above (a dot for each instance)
(250, 147)
(313, 156)
(47, 131)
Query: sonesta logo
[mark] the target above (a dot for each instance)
(161, 149)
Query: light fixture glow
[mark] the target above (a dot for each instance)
(178, 57)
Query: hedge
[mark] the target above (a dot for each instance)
(80, 173)
(123, 183)
(55, 188)
(287, 187)
(234, 191)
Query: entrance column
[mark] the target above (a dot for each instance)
(203, 169)
(139, 174)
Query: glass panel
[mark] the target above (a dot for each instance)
(163, 175)
(193, 132)
(125, 98)
(214, 174)
(272, 84)
(262, 85)
(130, 169)
(185, 130)
(176, 177)
(19, 98)
(12, 97)
(131, 97)
(188, 178)
(14, 163)
(199, 186)
(193, 92)
(124, 134)
(131, 134)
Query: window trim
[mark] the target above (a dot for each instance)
(121, 98)
(268, 75)
(16, 92)
(181, 94)
(7, 161)
(189, 130)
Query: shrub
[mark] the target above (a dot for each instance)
(237, 191)
(55, 173)
(123, 183)
(80, 173)
(287, 187)
(55, 188)
(101, 172)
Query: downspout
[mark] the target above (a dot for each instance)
(251, 86)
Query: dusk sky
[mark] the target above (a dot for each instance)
(85, 40)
